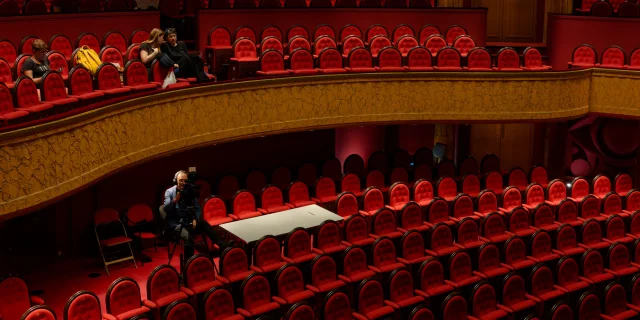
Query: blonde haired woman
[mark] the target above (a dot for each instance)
(150, 48)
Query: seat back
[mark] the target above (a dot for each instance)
(399, 174)
(90, 40)
(244, 48)
(324, 30)
(218, 304)
(518, 178)
(542, 216)
(423, 171)
(34, 7)
(584, 55)
(384, 222)
(374, 30)
(297, 243)
(488, 257)
(611, 204)
(493, 182)
(325, 187)
(531, 58)
(356, 228)
(592, 264)
(428, 30)
(453, 32)
(139, 213)
(511, 197)
(281, 177)
(83, 305)
(377, 43)
(431, 274)
(53, 87)
(618, 257)
(460, 267)
(615, 299)
(437, 211)
(330, 58)
(369, 296)
(271, 196)
(39, 312)
(289, 281)
(439, 237)
(271, 43)
(400, 285)
(62, 44)
(447, 187)
(354, 261)
(483, 299)
(447, 168)
(487, 202)
(579, 188)
(163, 281)
(123, 295)
(91, 6)
(541, 280)
(383, 252)
(589, 207)
(538, 175)
(534, 194)
(467, 232)
(359, 57)
(227, 187)
(623, 183)
(515, 250)
(590, 232)
(508, 58)
(255, 291)
(133, 52)
(601, 186)
(479, 59)
(337, 306)
(373, 199)
(243, 201)
(108, 77)
(271, 31)
(139, 36)
(390, 57)
(300, 310)
(464, 44)
(219, 37)
(454, 306)
(350, 182)
(327, 235)
(233, 260)
(567, 272)
(267, 251)
(301, 59)
(410, 216)
(615, 228)
(80, 81)
(613, 56)
(560, 311)
(399, 194)
(299, 42)
(26, 92)
(588, 306)
(346, 204)
(198, 270)
(112, 55)
(115, 39)
(402, 30)
(245, 32)
(15, 297)
(493, 225)
(298, 191)
(324, 42)
(307, 172)
(9, 8)
(513, 290)
(471, 184)
(556, 190)
(135, 74)
(462, 206)
(448, 57)
(57, 62)
(323, 270)
(540, 244)
(566, 238)
(6, 101)
(434, 43)
(406, 43)
(412, 245)
(351, 42)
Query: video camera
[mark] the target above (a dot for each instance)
(190, 191)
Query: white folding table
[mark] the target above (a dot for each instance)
(279, 223)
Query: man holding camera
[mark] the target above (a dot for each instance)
(183, 214)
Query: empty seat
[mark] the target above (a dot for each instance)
(601, 186)
(272, 43)
(390, 59)
(515, 297)
(533, 195)
(453, 32)
(398, 195)
(623, 183)
(218, 304)
(35, 7)
(39, 312)
(487, 203)
(7, 111)
(579, 189)
(377, 43)
(532, 60)
(593, 268)
(616, 231)
(330, 61)
(290, 286)
(267, 255)
(493, 182)
(517, 221)
(116, 40)
(411, 218)
(590, 235)
(369, 301)
(402, 294)
(590, 208)
(81, 84)
(518, 178)
(619, 262)
(434, 43)
(384, 258)
(406, 43)
(464, 44)
(375, 30)
(89, 40)
(234, 264)
(327, 238)
(373, 200)
(244, 206)
(27, 100)
(108, 79)
(163, 288)
(324, 275)
(271, 31)
(438, 212)
(461, 273)
(463, 208)
(383, 223)
(54, 91)
(299, 195)
(471, 185)
(272, 200)
(515, 254)
(542, 217)
(136, 76)
(541, 248)
(512, 199)
(468, 235)
(325, 189)
(613, 57)
(612, 204)
(412, 249)
(15, 298)
(615, 303)
(354, 164)
(83, 305)
(297, 247)
(9, 8)
(447, 188)
(448, 59)
(245, 32)
(61, 44)
(301, 62)
(359, 60)
(484, 304)
(543, 287)
(256, 181)
(336, 306)
(566, 241)
(478, 59)
(256, 297)
(439, 241)
(508, 60)
(426, 31)
(375, 178)
(123, 300)
(199, 275)
(492, 227)
(245, 57)
(489, 263)
(350, 30)
(351, 183)
(228, 187)
(423, 192)
(584, 56)
(354, 266)
(349, 43)
(569, 279)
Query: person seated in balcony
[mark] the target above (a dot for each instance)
(35, 67)
(190, 66)
(150, 50)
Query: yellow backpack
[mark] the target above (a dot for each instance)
(88, 59)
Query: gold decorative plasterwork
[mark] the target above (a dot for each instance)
(41, 163)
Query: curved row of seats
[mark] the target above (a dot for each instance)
(609, 8)
(40, 7)
(585, 56)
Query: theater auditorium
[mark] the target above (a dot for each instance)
(319, 159)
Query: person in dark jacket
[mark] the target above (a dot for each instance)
(190, 66)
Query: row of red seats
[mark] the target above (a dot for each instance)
(609, 8)
(585, 56)
(245, 4)
(24, 101)
(40, 7)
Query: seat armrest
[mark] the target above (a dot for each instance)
(583, 246)
(431, 253)
(279, 300)
(358, 316)
(503, 210)
(606, 317)
(223, 280)
(346, 244)
(343, 278)
(234, 217)
(472, 318)
(587, 280)
(374, 269)
(392, 304)
(105, 316)
(263, 211)
(288, 260)
(404, 261)
(375, 236)
(316, 200)
(459, 246)
(532, 298)
(257, 269)
(508, 267)
(289, 205)
(244, 313)
(456, 220)
(505, 309)
(402, 230)
(187, 291)
(557, 252)
(633, 264)
(612, 272)
(364, 213)
(389, 207)
(316, 250)
(421, 293)
(149, 304)
(633, 307)
(36, 300)
(312, 288)
(557, 287)
(607, 240)
(484, 239)
(481, 275)
(533, 259)
(451, 283)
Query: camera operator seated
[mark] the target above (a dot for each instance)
(183, 213)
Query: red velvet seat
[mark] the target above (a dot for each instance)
(467, 234)
(39, 312)
(27, 99)
(542, 217)
(111, 235)
(453, 32)
(354, 266)
(327, 238)
(634, 224)
(271, 31)
(518, 178)
(390, 59)
(471, 185)
(447, 168)
(593, 268)
(601, 186)
(434, 43)
(543, 287)
(615, 304)
(58, 62)
(533, 195)
(354, 164)
(569, 279)
(90, 40)
(493, 182)
(325, 191)
(256, 181)
(439, 241)
(405, 43)
(447, 188)
(428, 30)
(507, 60)
(267, 256)
(478, 59)
(627, 9)
(346, 204)
(324, 30)
(290, 286)
(272, 43)
(301, 62)
(244, 206)
(566, 241)
(54, 91)
(108, 80)
(34, 7)
(272, 200)
(218, 50)
(297, 247)
(634, 60)
(493, 227)
(133, 52)
(299, 195)
(590, 235)
(438, 211)
(484, 304)
(515, 297)
(351, 183)
(214, 211)
(123, 300)
(613, 57)
(623, 183)
(330, 61)
(8, 51)
(532, 60)
(448, 59)
(619, 262)
(402, 294)
(7, 111)
(336, 307)
(468, 166)
(199, 275)
(579, 189)
(300, 310)
(228, 186)
(375, 178)
(615, 230)
(560, 311)
(15, 298)
(512, 199)
(383, 256)
(281, 178)
(138, 36)
(116, 40)
(541, 248)
(517, 222)
(324, 275)
(218, 305)
(399, 195)
(377, 43)
(375, 30)
(463, 208)
(350, 30)
(423, 192)
(487, 203)
(356, 231)
(584, 56)
(588, 306)
(245, 56)
(556, 192)
(141, 223)
(299, 42)
(412, 249)
(489, 263)
(373, 200)
(590, 208)
(349, 43)
(370, 302)
(163, 288)
(539, 175)
(245, 32)
(411, 218)
(83, 305)
(515, 254)
(136, 76)
(234, 264)
(464, 44)
(6, 77)
(256, 297)
(461, 273)
(322, 42)
(612, 204)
